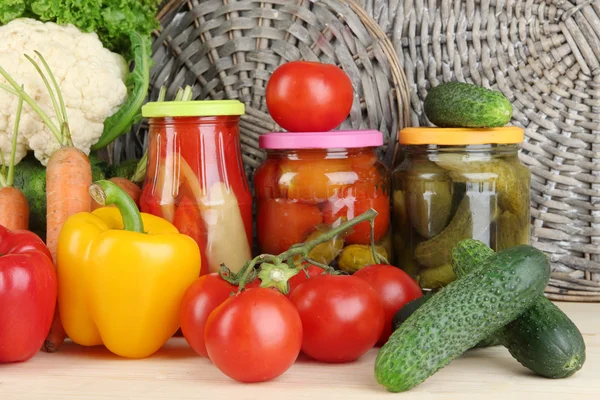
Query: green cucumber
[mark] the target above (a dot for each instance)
(462, 314)
(543, 338)
(412, 306)
(408, 309)
(464, 105)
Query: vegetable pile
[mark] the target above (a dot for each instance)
(108, 274)
(89, 46)
(328, 315)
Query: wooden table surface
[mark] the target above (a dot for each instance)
(177, 373)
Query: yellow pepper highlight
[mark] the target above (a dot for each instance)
(123, 288)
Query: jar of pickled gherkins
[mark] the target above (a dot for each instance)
(454, 184)
(195, 177)
(312, 182)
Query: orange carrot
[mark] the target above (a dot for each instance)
(14, 208)
(68, 179)
(68, 176)
(128, 186)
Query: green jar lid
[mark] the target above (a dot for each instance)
(196, 108)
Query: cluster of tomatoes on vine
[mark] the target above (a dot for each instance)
(254, 325)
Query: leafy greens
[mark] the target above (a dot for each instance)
(112, 20)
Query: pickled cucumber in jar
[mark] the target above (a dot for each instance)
(357, 256)
(325, 253)
(455, 184)
(510, 231)
(510, 179)
(428, 191)
(473, 219)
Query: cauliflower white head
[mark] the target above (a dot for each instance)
(91, 79)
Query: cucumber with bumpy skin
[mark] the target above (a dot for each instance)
(543, 338)
(464, 105)
(462, 314)
(409, 308)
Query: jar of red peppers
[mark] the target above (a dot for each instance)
(195, 177)
(311, 182)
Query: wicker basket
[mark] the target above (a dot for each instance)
(228, 49)
(543, 55)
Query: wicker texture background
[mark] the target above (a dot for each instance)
(543, 55)
(229, 50)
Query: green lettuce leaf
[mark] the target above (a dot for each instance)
(112, 20)
(11, 9)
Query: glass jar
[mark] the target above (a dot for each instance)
(195, 177)
(311, 182)
(455, 184)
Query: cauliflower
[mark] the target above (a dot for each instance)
(91, 78)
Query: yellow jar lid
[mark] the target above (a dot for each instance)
(196, 108)
(461, 136)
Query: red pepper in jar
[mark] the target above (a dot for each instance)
(196, 177)
(188, 221)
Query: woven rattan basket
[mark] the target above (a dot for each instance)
(228, 49)
(543, 54)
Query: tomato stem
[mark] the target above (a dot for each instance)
(377, 258)
(302, 249)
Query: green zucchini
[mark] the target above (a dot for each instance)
(464, 105)
(543, 338)
(462, 314)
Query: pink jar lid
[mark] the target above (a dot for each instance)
(320, 140)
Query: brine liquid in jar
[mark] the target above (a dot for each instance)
(195, 178)
(456, 184)
(313, 182)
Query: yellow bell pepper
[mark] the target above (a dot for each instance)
(122, 275)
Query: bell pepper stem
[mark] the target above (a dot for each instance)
(107, 193)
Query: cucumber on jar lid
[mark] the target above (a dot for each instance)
(464, 105)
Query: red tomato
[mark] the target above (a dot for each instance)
(305, 96)
(313, 179)
(254, 336)
(354, 201)
(254, 284)
(395, 288)
(281, 224)
(342, 317)
(199, 300)
(265, 180)
(300, 277)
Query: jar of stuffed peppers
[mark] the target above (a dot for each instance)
(312, 182)
(195, 177)
(455, 184)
